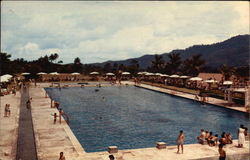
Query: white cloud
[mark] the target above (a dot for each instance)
(99, 31)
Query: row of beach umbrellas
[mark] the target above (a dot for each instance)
(7, 77)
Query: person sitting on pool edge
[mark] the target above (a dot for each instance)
(213, 140)
(228, 138)
(222, 140)
(201, 138)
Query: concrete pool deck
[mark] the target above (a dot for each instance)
(9, 127)
(211, 100)
(51, 138)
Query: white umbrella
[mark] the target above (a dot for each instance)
(164, 75)
(195, 79)
(25, 73)
(7, 75)
(54, 73)
(140, 73)
(125, 73)
(227, 83)
(41, 73)
(75, 73)
(211, 81)
(110, 74)
(5, 78)
(158, 74)
(174, 76)
(184, 77)
(149, 74)
(94, 73)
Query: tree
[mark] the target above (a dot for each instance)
(5, 63)
(157, 64)
(193, 66)
(107, 67)
(115, 68)
(77, 61)
(133, 67)
(60, 62)
(77, 65)
(227, 71)
(53, 57)
(174, 63)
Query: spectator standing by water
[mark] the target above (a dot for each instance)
(55, 117)
(241, 136)
(60, 115)
(180, 141)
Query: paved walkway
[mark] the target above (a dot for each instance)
(26, 149)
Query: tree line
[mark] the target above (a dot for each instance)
(175, 65)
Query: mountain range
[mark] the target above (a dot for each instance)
(232, 52)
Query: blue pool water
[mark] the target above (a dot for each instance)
(131, 117)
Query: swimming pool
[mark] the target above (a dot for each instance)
(131, 117)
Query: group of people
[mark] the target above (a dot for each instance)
(61, 113)
(207, 137)
(226, 138)
(60, 116)
(7, 110)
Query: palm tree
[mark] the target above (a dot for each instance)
(174, 63)
(158, 63)
(77, 65)
(77, 60)
(193, 66)
(53, 57)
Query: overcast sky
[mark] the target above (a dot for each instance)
(100, 31)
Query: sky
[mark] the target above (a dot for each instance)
(112, 30)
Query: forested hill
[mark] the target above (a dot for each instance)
(233, 52)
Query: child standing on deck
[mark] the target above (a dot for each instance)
(180, 141)
(55, 117)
